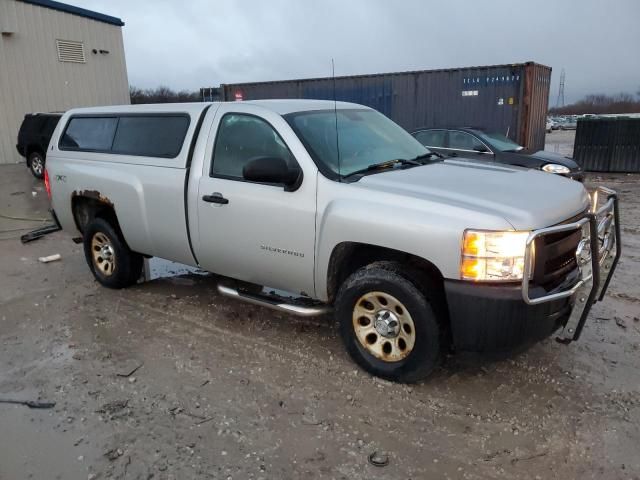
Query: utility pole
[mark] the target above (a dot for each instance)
(560, 100)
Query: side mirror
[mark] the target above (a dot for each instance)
(272, 170)
(481, 149)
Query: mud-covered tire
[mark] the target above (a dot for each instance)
(36, 164)
(111, 261)
(397, 283)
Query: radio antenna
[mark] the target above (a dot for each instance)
(335, 114)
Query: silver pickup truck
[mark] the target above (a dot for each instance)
(344, 210)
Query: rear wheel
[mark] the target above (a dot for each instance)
(36, 164)
(387, 324)
(111, 261)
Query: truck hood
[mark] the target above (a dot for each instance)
(527, 199)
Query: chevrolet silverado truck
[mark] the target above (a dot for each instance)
(311, 206)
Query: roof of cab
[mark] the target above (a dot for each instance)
(281, 107)
(284, 107)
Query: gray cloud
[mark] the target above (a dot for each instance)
(197, 43)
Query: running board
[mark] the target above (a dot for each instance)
(275, 303)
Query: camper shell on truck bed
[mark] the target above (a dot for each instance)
(338, 205)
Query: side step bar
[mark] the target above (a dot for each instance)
(275, 303)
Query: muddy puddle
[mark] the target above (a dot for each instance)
(156, 268)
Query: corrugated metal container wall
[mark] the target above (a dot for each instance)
(535, 104)
(511, 99)
(608, 144)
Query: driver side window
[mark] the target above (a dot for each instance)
(242, 138)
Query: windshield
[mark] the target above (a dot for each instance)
(500, 142)
(365, 137)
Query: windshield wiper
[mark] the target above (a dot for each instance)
(383, 165)
(425, 156)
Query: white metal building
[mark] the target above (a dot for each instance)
(53, 57)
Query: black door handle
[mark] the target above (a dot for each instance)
(453, 154)
(215, 198)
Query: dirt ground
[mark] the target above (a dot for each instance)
(168, 380)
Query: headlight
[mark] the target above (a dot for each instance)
(555, 168)
(492, 256)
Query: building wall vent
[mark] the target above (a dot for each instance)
(70, 51)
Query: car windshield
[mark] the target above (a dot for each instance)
(364, 137)
(499, 141)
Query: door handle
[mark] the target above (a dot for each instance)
(215, 198)
(453, 154)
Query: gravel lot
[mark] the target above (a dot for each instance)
(169, 380)
(560, 141)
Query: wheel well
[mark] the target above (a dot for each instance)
(348, 257)
(33, 148)
(87, 207)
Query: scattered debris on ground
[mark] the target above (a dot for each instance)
(50, 258)
(379, 459)
(130, 371)
(29, 403)
(621, 323)
(113, 454)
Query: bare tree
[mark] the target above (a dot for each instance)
(600, 103)
(162, 94)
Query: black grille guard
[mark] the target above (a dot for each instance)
(600, 233)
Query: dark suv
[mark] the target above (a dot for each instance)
(33, 139)
(478, 144)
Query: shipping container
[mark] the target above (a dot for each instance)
(608, 144)
(511, 99)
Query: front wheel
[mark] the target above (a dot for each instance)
(36, 164)
(387, 324)
(111, 261)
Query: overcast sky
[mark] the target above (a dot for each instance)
(190, 44)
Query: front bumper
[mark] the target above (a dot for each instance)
(493, 318)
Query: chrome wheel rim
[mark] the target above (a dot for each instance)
(104, 257)
(37, 165)
(384, 326)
